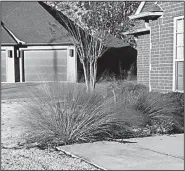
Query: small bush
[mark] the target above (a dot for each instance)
(67, 114)
(126, 91)
(160, 112)
(177, 99)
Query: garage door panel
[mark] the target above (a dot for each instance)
(45, 65)
(3, 66)
(46, 57)
(46, 69)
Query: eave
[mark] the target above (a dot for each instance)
(137, 31)
(146, 15)
(11, 34)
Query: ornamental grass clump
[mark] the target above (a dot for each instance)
(160, 112)
(66, 114)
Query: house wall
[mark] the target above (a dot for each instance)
(8, 74)
(143, 51)
(162, 35)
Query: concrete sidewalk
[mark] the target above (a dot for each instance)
(150, 153)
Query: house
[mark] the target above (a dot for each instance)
(36, 46)
(160, 45)
(29, 49)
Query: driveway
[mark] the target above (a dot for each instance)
(17, 90)
(150, 153)
(22, 90)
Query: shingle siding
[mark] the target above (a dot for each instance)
(162, 35)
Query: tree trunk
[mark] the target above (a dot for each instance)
(95, 73)
(91, 76)
(85, 68)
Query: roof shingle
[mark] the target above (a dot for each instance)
(6, 38)
(32, 24)
(154, 8)
(37, 23)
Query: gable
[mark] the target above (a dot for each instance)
(147, 5)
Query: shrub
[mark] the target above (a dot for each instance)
(177, 98)
(67, 114)
(160, 113)
(127, 91)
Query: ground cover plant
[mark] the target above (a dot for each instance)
(65, 113)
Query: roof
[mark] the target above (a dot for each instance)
(146, 5)
(152, 8)
(147, 10)
(32, 24)
(36, 23)
(110, 40)
(6, 38)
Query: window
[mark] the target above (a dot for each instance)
(178, 53)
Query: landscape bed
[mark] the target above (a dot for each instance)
(113, 111)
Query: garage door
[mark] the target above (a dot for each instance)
(44, 65)
(3, 65)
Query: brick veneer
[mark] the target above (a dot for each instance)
(162, 35)
(143, 50)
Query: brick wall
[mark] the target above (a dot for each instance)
(143, 50)
(162, 35)
(162, 46)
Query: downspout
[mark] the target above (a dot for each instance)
(150, 41)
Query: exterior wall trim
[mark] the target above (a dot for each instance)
(11, 34)
(150, 56)
(10, 65)
(174, 49)
(141, 5)
(137, 31)
(145, 14)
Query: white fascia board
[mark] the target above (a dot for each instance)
(49, 47)
(137, 31)
(145, 14)
(141, 5)
(11, 34)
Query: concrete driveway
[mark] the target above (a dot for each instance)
(22, 90)
(150, 153)
(17, 90)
